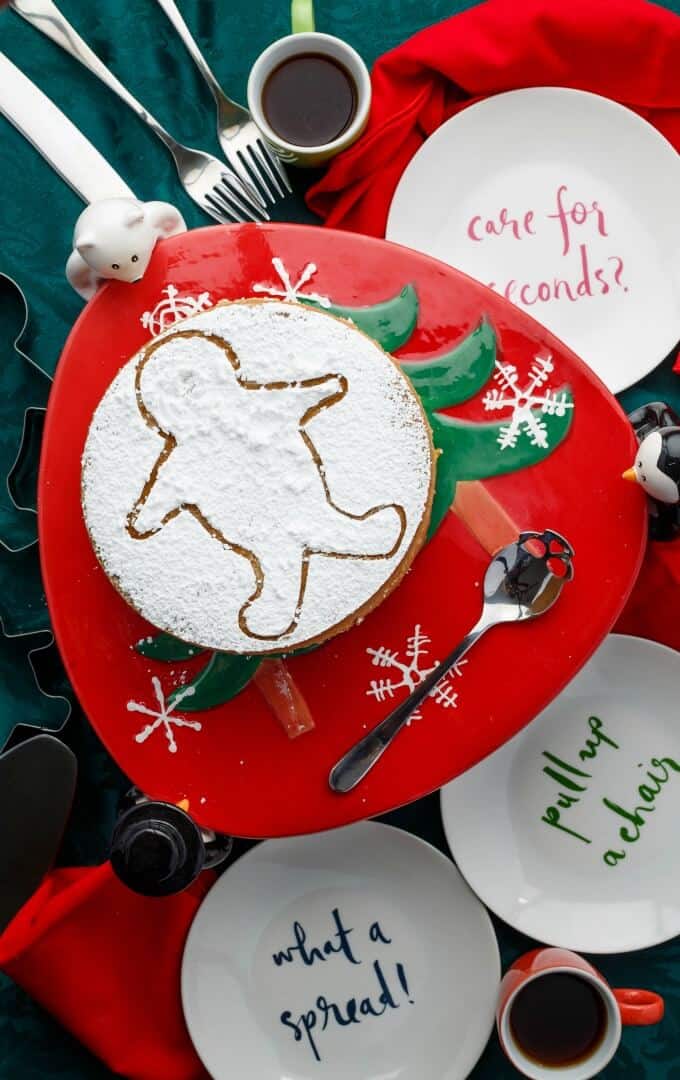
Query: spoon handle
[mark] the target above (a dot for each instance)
(352, 768)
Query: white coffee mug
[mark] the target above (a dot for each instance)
(300, 44)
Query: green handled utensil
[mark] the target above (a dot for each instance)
(302, 16)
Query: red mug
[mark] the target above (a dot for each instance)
(619, 1007)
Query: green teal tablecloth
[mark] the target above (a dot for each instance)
(37, 213)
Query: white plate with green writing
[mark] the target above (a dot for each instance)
(568, 832)
(359, 954)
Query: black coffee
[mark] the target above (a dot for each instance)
(558, 1019)
(309, 99)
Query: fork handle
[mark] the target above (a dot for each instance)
(45, 16)
(361, 758)
(175, 16)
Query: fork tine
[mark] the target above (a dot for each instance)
(228, 210)
(243, 183)
(261, 161)
(226, 197)
(219, 211)
(250, 161)
(230, 193)
(273, 163)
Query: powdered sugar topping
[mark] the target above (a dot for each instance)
(256, 476)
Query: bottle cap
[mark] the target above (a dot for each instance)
(156, 849)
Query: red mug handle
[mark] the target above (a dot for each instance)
(638, 1007)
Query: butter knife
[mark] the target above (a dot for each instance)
(54, 136)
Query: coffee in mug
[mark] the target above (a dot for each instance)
(310, 96)
(557, 1017)
(558, 1020)
(309, 99)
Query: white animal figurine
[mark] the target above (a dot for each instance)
(115, 238)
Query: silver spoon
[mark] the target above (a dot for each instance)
(519, 584)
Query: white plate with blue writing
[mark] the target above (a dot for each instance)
(359, 954)
(565, 202)
(569, 831)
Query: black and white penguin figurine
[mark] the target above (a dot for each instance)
(657, 466)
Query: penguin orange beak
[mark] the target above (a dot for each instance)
(631, 475)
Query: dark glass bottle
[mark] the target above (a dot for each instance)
(157, 849)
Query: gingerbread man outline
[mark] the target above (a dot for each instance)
(325, 391)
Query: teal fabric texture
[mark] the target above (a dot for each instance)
(37, 214)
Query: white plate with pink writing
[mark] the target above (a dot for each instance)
(358, 954)
(569, 832)
(566, 203)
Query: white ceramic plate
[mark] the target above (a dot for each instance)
(402, 984)
(573, 849)
(588, 193)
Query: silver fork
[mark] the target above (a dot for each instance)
(214, 187)
(240, 138)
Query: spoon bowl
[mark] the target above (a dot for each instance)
(527, 577)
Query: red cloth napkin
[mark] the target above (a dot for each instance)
(624, 49)
(106, 963)
(628, 50)
(652, 610)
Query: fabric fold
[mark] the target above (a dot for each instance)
(628, 50)
(105, 962)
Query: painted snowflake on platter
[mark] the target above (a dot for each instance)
(164, 716)
(174, 307)
(527, 403)
(410, 671)
(289, 290)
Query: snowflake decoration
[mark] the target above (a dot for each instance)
(291, 291)
(411, 671)
(526, 402)
(163, 715)
(172, 308)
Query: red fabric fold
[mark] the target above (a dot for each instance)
(106, 963)
(652, 610)
(628, 50)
